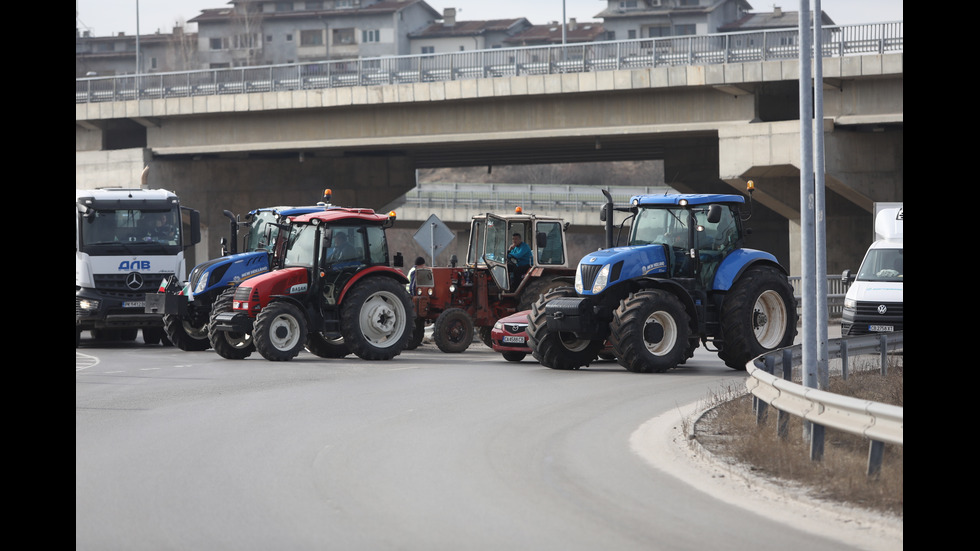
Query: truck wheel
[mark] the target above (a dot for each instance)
(453, 330)
(152, 335)
(555, 349)
(512, 356)
(533, 292)
(280, 331)
(324, 347)
(418, 334)
(758, 315)
(187, 335)
(649, 332)
(377, 318)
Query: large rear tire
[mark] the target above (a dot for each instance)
(228, 345)
(758, 315)
(555, 349)
(453, 331)
(534, 291)
(324, 347)
(280, 331)
(377, 319)
(650, 332)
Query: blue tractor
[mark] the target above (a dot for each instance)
(683, 278)
(187, 307)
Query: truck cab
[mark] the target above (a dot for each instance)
(873, 302)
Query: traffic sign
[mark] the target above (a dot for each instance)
(434, 236)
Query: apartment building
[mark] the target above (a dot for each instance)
(270, 32)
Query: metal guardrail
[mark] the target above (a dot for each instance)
(880, 423)
(836, 289)
(741, 47)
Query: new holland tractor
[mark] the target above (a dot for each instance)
(335, 293)
(684, 277)
(186, 306)
(458, 298)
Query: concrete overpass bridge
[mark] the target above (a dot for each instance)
(715, 120)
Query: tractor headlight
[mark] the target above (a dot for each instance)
(452, 287)
(601, 280)
(202, 283)
(578, 281)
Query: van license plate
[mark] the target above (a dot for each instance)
(881, 328)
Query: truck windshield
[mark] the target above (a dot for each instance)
(107, 231)
(882, 265)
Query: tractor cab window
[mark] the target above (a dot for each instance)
(715, 236)
(550, 250)
(344, 245)
(475, 253)
(300, 249)
(669, 227)
(261, 232)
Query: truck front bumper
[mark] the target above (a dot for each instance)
(94, 310)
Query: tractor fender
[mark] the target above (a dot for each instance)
(371, 272)
(737, 262)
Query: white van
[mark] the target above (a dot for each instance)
(873, 303)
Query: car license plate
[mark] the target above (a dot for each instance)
(881, 328)
(134, 304)
(510, 339)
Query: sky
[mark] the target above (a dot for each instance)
(110, 17)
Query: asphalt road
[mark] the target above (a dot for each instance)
(428, 451)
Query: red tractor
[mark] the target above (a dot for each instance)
(460, 298)
(335, 293)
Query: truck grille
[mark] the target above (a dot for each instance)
(115, 285)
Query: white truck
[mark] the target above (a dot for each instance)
(126, 242)
(873, 302)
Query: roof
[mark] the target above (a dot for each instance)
(777, 19)
(691, 198)
(470, 28)
(378, 8)
(646, 9)
(341, 214)
(551, 34)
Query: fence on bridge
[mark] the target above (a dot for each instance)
(740, 47)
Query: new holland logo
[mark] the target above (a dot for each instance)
(134, 281)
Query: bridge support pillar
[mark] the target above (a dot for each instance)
(858, 172)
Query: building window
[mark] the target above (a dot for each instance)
(268, 38)
(343, 4)
(310, 5)
(428, 49)
(628, 4)
(657, 32)
(153, 63)
(685, 30)
(284, 6)
(215, 43)
(373, 35)
(343, 36)
(630, 34)
(311, 38)
(289, 37)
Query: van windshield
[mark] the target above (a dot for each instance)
(882, 265)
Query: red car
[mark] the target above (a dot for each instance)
(509, 336)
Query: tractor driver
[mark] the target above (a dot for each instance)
(520, 254)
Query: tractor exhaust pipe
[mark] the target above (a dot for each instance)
(607, 215)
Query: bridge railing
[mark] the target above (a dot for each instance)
(642, 53)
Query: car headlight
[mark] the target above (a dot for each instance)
(601, 280)
(498, 326)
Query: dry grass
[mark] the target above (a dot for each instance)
(730, 430)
